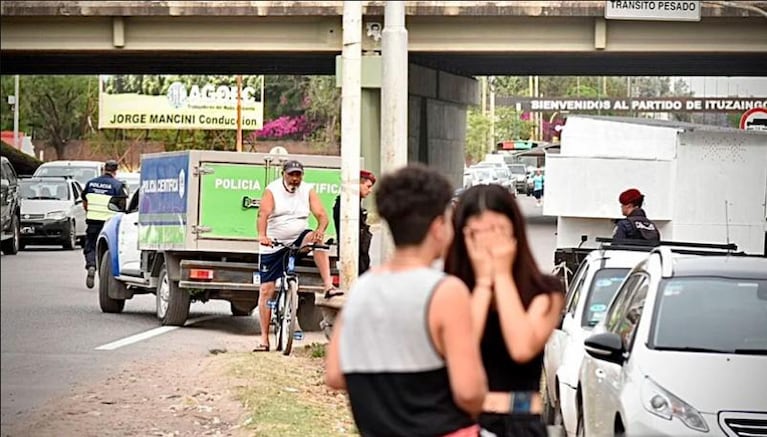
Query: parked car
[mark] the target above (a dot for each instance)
(10, 222)
(51, 212)
(81, 171)
(132, 180)
(681, 351)
(591, 290)
(519, 175)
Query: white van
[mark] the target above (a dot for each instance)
(81, 171)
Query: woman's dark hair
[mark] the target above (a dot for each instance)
(472, 202)
(409, 199)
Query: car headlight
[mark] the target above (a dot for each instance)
(56, 215)
(661, 403)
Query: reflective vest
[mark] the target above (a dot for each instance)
(98, 207)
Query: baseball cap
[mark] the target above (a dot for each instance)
(630, 196)
(293, 166)
(110, 165)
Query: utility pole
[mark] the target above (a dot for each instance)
(239, 113)
(491, 115)
(394, 88)
(351, 136)
(16, 113)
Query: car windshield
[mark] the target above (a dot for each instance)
(711, 314)
(603, 288)
(80, 174)
(482, 174)
(44, 190)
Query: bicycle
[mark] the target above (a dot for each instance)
(284, 304)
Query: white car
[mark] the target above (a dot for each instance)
(682, 351)
(591, 290)
(81, 171)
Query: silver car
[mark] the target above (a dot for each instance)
(682, 351)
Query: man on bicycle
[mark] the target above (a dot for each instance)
(284, 216)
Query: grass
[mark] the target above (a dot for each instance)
(286, 396)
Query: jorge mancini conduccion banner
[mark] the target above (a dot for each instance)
(179, 102)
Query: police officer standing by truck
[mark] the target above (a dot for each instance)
(98, 193)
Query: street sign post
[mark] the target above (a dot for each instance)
(754, 119)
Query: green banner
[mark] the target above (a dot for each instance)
(231, 193)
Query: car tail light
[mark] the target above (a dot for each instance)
(201, 274)
(336, 281)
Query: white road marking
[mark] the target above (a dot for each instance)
(149, 334)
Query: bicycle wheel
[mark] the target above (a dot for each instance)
(277, 314)
(288, 328)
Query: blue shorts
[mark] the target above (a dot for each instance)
(273, 264)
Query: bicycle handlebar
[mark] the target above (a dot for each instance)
(294, 247)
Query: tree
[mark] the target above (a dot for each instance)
(55, 109)
(323, 109)
(477, 133)
(510, 126)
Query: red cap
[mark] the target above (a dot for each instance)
(629, 196)
(364, 174)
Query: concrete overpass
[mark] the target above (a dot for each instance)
(449, 42)
(467, 38)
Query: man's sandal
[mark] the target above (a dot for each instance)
(333, 292)
(261, 348)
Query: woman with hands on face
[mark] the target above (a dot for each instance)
(515, 307)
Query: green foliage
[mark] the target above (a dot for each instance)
(323, 109)
(509, 126)
(55, 109)
(477, 132)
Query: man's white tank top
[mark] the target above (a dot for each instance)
(290, 216)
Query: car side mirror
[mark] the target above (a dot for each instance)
(606, 346)
(116, 204)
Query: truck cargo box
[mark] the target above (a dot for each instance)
(207, 201)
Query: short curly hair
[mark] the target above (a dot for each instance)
(409, 199)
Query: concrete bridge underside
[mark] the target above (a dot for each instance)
(448, 43)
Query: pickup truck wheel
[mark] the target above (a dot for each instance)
(238, 310)
(107, 281)
(11, 246)
(309, 315)
(172, 302)
(70, 241)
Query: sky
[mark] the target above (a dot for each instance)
(728, 86)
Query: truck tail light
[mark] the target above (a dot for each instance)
(201, 274)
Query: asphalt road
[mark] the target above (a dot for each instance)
(51, 325)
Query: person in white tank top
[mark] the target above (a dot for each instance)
(284, 216)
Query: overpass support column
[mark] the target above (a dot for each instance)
(351, 96)
(437, 119)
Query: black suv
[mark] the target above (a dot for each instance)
(9, 217)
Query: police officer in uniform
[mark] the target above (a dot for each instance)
(97, 195)
(636, 225)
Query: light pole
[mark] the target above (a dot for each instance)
(16, 112)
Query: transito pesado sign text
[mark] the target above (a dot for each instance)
(668, 10)
(179, 102)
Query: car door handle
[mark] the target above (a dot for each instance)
(135, 223)
(600, 373)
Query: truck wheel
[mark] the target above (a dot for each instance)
(107, 281)
(11, 246)
(172, 302)
(239, 310)
(70, 241)
(309, 315)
